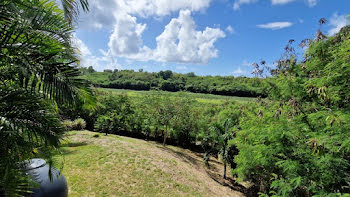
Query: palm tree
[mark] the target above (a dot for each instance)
(220, 136)
(71, 8)
(38, 72)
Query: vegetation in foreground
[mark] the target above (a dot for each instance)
(38, 70)
(121, 166)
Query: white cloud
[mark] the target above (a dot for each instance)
(312, 3)
(180, 42)
(83, 50)
(104, 61)
(104, 14)
(230, 29)
(337, 22)
(238, 72)
(126, 38)
(146, 8)
(237, 4)
(275, 25)
(281, 2)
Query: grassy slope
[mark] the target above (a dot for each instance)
(121, 166)
(202, 98)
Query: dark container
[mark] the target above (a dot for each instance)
(39, 171)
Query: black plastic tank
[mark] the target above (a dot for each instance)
(39, 171)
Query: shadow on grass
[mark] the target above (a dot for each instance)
(183, 156)
(232, 184)
(74, 144)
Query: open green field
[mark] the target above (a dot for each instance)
(203, 98)
(121, 166)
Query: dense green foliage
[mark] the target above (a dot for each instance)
(169, 81)
(168, 118)
(37, 72)
(299, 145)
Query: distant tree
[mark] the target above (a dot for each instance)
(90, 69)
(190, 74)
(107, 71)
(166, 74)
(140, 70)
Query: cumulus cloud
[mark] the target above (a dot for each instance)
(181, 42)
(337, 22)
(230, 29)
(146, 8)
(275, 25)
(126, 38)
(106, 13)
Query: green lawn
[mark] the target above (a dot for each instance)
(121, 166)
(203, 98)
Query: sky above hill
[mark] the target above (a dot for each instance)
(208, 37)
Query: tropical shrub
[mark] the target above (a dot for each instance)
(79, 124)
(299, 143)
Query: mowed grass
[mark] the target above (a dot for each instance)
(121, 166)
(202, 98)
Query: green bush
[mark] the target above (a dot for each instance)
(68, 125)
(79, 124)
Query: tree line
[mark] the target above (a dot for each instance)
(174, 82)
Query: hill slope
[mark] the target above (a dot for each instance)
(121, 166)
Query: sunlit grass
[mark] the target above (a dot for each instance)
(202, 98)
(120, 166)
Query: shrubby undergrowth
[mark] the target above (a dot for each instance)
(299, 145)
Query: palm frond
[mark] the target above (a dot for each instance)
(71, 8)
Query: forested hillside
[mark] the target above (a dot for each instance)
(169, 81)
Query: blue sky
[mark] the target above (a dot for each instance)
(208, 37)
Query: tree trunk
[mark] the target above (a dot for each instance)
(165, 134)
(224, 169)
